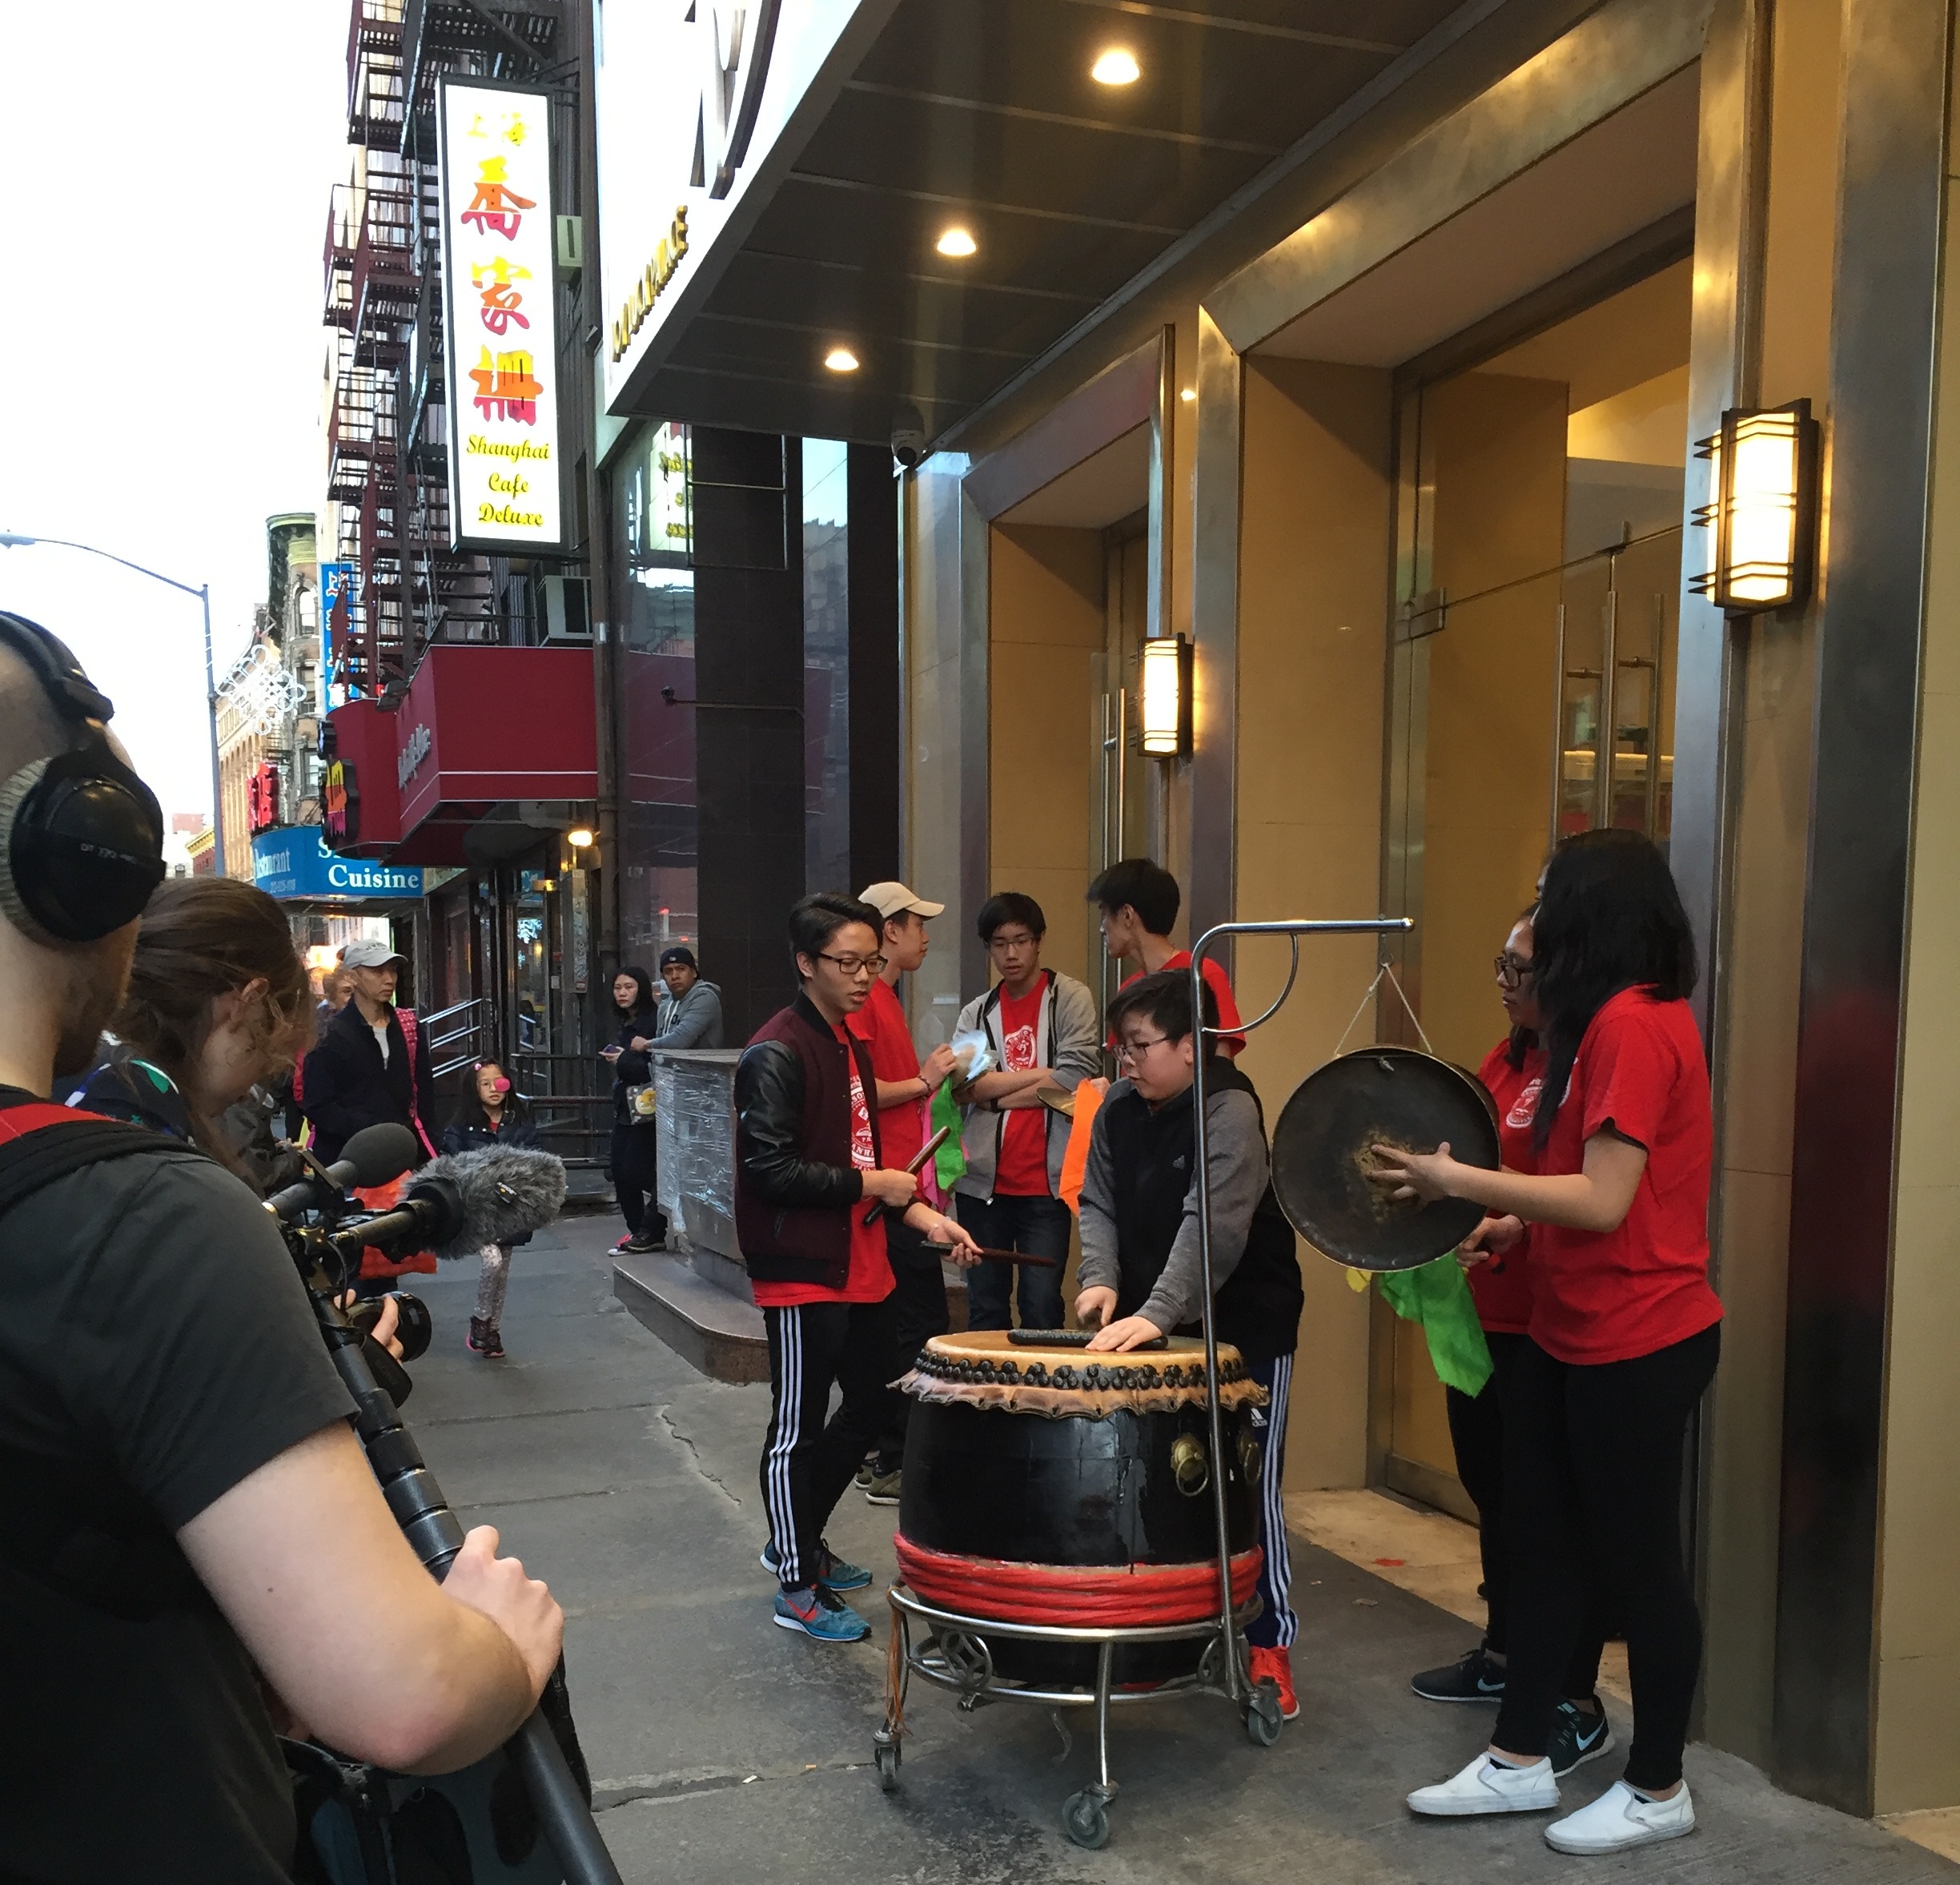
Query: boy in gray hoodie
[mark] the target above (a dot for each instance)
(1042, 1028)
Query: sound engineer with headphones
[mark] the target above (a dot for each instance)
(181, 1496)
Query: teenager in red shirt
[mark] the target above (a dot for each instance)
(1624, 1334)
(806, 1166)
(905, 1090)
(1140, 901)
(1497, 1261)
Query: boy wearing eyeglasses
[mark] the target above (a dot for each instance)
(807, 1167)
(1141, 1275)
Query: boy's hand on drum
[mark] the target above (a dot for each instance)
(1131, 1332)
(894, 1190)
(1094, 1307)
(937, 1228)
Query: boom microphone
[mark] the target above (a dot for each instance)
(373, 1155)
(463, 1200)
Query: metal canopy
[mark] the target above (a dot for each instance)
(982, 114)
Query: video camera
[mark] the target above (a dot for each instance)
(455, 1206)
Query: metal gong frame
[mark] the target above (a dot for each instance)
(955, 1654)
(1238, 1682)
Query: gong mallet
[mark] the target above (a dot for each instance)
(912, 1170)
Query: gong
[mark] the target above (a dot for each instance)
(1321, 1156)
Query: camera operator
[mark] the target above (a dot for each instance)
(184, 1499)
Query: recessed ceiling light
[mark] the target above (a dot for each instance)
(1188, 394)
(841, 359)
(958, 241)
(1117, 66)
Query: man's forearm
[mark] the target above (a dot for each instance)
(473, 1694)
(1001, 1084)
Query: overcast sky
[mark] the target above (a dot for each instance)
(167, 175)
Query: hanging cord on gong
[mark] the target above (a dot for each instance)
(1361, 1009)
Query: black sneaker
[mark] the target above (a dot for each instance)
(1473, 1676)
(640, 1243)
(1578, 1738)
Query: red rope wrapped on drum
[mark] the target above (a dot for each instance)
(1076, 1596)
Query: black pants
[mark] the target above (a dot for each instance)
(1477, 1425)
(806, 1461)
(919, 1311)
(1593, 1461)
(1038, 1225)
(635, 1178)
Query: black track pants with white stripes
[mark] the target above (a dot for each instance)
(807, 1462)
(1276, 1624)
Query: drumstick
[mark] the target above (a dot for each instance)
(1004, 1257)
(924, 1152)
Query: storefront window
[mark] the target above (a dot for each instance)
(826, 667)
(659, 893)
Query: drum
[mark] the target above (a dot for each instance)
(1044, 1485)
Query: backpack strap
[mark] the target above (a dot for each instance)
(79, 1531)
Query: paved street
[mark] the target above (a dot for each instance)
(725, 1750)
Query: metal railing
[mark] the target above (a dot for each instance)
(458, 1036)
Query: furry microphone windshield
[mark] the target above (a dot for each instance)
(506, 1192)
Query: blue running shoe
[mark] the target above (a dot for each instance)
(839, 1572)
(815, 1612)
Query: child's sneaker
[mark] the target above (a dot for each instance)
(484, 1340)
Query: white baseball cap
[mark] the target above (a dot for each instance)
(893, 899)
(369, 955)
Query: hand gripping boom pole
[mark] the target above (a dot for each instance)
(435, 1535)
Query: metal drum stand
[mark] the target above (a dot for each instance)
(953, 1652)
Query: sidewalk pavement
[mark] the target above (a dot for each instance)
(723, 1749)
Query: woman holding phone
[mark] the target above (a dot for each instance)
(1623, 1335)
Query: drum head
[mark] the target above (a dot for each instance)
(1320, 1156)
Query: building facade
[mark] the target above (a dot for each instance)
(1374, 357)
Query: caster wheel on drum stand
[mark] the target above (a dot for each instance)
(1085, 1818)
(1262, 1715)
(884, 1757)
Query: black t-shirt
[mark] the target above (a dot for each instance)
(153, 1330)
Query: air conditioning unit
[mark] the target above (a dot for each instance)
(568, 618)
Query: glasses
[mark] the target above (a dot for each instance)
(1513, 971)
(1134, 1050)
(854, 966)
(996, 941)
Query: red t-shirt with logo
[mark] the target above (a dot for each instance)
(870, 1278)
(880, 1025)
(1618, 1295)
(1501, 1286)
(1023, 1170)
(1220, 984)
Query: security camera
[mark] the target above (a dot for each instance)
(908, 436)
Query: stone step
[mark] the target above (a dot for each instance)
(715, 1330)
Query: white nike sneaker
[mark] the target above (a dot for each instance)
(1620, 1818)
(1489, 1786)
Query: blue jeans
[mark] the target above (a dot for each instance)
(1039, 1226)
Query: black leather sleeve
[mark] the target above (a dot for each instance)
(768, 1121)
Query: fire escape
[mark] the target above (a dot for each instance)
(387, 424)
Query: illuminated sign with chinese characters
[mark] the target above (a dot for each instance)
(501, 333)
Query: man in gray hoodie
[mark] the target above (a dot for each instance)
(1042, 1026)
(689, 1014)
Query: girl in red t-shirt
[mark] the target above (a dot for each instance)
(1623, 1333)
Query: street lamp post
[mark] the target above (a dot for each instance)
(10, 541)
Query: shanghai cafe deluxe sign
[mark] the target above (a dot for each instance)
(501, 338)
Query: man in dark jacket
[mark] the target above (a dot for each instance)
(806, 1167)
(370, 1065)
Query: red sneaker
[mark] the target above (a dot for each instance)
(1278, 1665)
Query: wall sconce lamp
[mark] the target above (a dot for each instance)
(580, 837)
(1166, 705)
(1765, 514)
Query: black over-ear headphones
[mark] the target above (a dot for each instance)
(81, 836)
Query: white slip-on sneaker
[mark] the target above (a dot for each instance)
(1489, 1786)
(1620, 1818)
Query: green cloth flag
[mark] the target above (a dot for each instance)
(949, 1161)
(1438, 1296)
